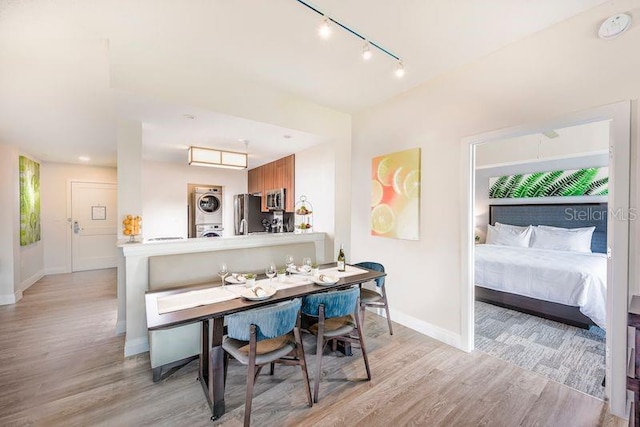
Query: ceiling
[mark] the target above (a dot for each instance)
(61, 63)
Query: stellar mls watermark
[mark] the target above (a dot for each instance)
(594, 214)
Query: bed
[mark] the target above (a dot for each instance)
(569, 287)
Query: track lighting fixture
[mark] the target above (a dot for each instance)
(366, 51)
(325, 30)
(400, 69)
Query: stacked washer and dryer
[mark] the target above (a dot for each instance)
(207, 211)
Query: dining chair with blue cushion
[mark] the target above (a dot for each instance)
(266, 336)
(371, 298)
(334, 316)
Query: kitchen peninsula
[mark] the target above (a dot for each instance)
(136, 258)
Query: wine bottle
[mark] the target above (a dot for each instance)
(341, 260)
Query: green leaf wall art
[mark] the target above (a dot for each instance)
(29, 201)
(577, 182)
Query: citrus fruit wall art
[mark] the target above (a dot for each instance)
(395, 195)
(29, 201)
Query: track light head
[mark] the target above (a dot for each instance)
(325, 28)
(399, 69)
(366, 51)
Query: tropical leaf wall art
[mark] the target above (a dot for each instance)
(29, 201)
(577, 182)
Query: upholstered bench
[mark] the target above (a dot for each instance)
(172, 348)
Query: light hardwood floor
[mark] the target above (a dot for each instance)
(61, 364)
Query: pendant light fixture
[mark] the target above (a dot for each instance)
(325, 30)
(200, 156)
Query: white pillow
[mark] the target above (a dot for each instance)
(508, 236)
(512, 227)
(562, 239)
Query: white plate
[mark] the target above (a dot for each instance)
(235, 279)
(298, 270)
(250, 295)
(325, 281)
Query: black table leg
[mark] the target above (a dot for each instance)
(216, 368)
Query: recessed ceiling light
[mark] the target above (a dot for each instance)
(84, 158)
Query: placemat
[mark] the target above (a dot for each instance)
(192, 299)
(349, 271)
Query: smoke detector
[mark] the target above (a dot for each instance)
(614, 26)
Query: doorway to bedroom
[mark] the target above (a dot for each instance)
(540, 256)
(560, 186)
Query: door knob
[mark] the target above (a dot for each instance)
(76, 227)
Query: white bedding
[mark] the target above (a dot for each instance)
(570, 278)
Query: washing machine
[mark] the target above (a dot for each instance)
(207, 202)
(209, 230)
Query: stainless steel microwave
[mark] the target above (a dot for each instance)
(276, 199)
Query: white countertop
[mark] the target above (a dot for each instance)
(163, 247)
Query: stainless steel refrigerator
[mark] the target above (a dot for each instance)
(247, 212)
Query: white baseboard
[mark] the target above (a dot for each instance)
(56, 270)
(425, 328)
(8, 299)
(25, 284)
(135, 346)
(121, 327)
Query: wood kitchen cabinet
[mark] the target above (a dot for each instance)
(255, 181)
(274, 175)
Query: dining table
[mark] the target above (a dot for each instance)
(183, 305)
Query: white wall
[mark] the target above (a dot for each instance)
(315, 178)
(9, 225)
(164, 196)
(560, 70)
(482, 184)
(129, 142)
(571, 141)
(55, 187)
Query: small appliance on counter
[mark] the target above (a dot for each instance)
(247, 214)
(277, 223)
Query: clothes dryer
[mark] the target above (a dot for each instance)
(207, 202)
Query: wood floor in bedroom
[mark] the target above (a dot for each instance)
(62, 365)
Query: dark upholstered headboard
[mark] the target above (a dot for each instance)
(567, 215)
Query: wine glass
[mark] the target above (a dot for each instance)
(271, 271)
(306, 264)
(223, 272)
(288, 259)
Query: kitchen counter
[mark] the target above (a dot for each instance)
(133, 272)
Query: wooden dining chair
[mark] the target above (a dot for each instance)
(265, 336)
(370, 298)
(334, 316)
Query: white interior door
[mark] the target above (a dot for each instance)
(94, 225)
